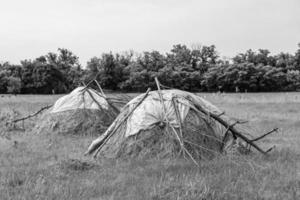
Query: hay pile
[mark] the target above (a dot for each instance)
(82, 112)
(164, 124)
(77, 122)
(199, 139)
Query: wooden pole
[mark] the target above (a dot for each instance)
(102, 109)
(224, 123)
(100, 88)
(32, 115)
(264, 135)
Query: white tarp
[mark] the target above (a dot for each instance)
(151, 111)
(79, 99)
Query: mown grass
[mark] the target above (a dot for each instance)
(53, 167)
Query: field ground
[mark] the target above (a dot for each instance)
(54, 167)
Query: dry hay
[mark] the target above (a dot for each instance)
(198, 135)
(76, 122)
(148, 128)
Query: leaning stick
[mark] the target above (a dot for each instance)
(232, 129)
(100, 88)
(32, 115)
(175, 103)
(116, 110)
(91, 81)
(117, 101)
(264, 135)
(167, 87)
(182, 145)
(97, 148)
(221, 114)
(93, 98)
(270, 149)
(160, 96)
(224, 138)
(177, 116)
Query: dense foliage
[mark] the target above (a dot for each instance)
(194, 69)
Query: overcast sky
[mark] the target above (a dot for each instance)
(30, 28)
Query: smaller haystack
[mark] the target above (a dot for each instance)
(83, 111)
(169, 123)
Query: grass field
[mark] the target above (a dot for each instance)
(54, 167)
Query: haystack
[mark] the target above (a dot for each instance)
(83, 111)
(162, 124)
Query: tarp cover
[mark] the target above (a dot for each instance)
(151, 111)
(80, 99)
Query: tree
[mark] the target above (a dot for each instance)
(43, 78)
(285, 61)
(67, 63)
(293, 78)
(13, 85)
(9, 75)
(110, 69)
(3, 81)
(260, 57)
(297, 58)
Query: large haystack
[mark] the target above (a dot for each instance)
(83, 111)
(164, 123)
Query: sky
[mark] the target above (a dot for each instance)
(31, 28)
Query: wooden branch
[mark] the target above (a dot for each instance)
(100, 107)
(167, 87)
(221, 114)
(32, 115)
(264, 135)
(91, 81)
(160, 96)
(182, 145)
(232, 129)
(273, 147)
(116, 110)
(224, 138)
(117, 101)
(100, 88)
(241, 122)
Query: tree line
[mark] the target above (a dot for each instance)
(198, 69)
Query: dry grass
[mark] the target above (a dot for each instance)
(53, 167)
